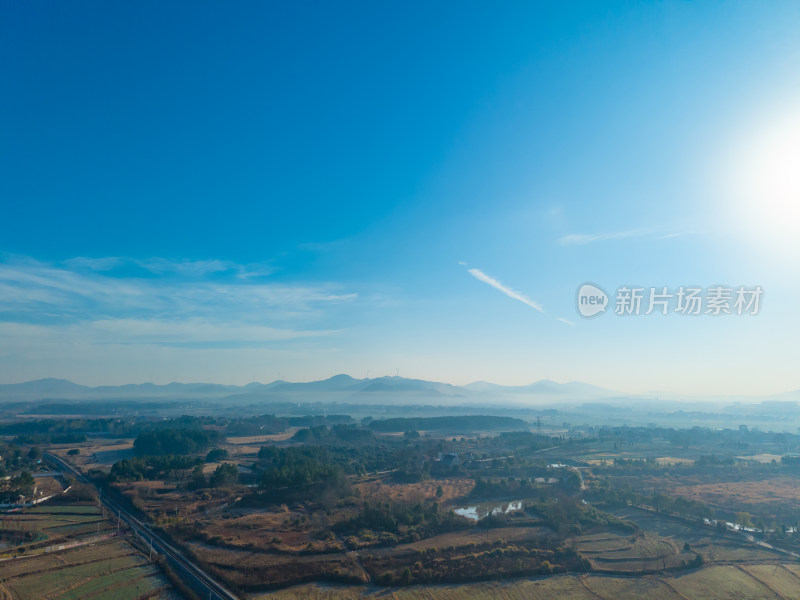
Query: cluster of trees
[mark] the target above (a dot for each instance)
(261, 425)
(351, 434)
(505, 487)
(50, 430)
(71, 430)
(300, 471)
(175, 441)
(452, 423)
(684, 507)
(216, 454)
(791, 461)
(173, 467)
(13, 459)
(315, 420)
(694, 436)
(526, 440)
(500, 488)
(404, 522)
(50, 438)
(20, 485)
(152, 467)
(622, 494)
(567, 515)
(224, 475)
(353, 459)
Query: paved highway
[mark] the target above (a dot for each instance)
(191, 574)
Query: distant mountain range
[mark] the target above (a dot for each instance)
(390, 390)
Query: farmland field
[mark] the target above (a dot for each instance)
(777, 490)
(711, 583)
(97, 567)
(55, 560)
(722, 582)
(332, 512)
(776, 577)
(144, 577)
(69, 509)
(39, 585)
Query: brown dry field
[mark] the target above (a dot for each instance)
(209, 468)
(245, 527)
(673, 460)
(383, 491)
(776, 490)
(710, 583)
(608, 458)
(96, 454)
(257, 440)
(472, 536)
(49, 485)
(243, 567)
(157, 497)
(762, 458)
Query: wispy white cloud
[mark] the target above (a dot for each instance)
(481, 276)
(580, 239)
(104, 263)
(166, 266)
(189, 304)
(190, 332)
(565, 321)
(667, 236)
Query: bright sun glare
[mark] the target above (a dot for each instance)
(766, 180)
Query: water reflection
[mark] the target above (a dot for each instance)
(484, 509)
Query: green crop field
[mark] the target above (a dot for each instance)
(45, 584)
(792, 568)
(142, 577)
(78, 528)
(57, 509)
(721, 582)
(602, 542)
(780, 580)
(74, 556)
(105, 569)
(639, 587)
(132, 590)
(44, 521)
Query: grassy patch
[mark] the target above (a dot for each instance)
(46, 584)
(624, 587)
(60, 509)
(143, 577)
(721, 582)
(776, 578)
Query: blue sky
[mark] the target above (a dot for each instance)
(238, 191)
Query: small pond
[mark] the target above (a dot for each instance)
(480, 510)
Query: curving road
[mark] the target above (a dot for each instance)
(192, 575)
